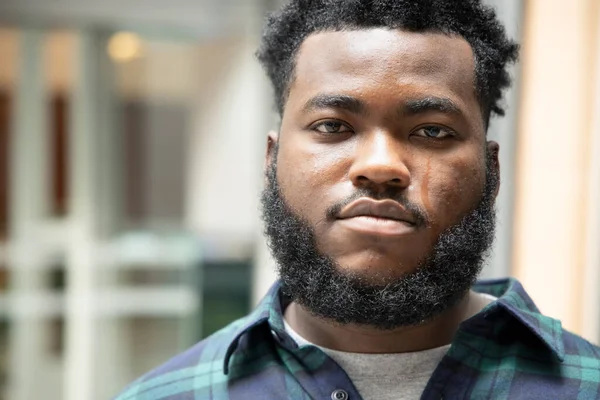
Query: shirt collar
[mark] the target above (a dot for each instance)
(512, 298)
(269, 311)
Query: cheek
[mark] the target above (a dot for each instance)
(451, 189)
(308, 175)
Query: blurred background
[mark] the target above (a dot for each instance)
(132, 136)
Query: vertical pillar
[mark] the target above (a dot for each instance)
(591, 273)
(553, 154)
(29, 204)
(94, 210)
(79, 294)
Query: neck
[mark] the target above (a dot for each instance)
(363, 339)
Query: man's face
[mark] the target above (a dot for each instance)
(382, 148)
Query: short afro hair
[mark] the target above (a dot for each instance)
(286, 29)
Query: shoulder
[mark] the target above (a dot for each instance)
(196, 368)
(576, 375)
(580, 352)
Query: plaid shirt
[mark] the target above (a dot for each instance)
(507, 351)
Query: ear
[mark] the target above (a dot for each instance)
(272, 141)
(493, 149)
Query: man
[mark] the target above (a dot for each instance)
(379, 210)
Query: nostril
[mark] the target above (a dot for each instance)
(364, 180)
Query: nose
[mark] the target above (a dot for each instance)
(379, 163)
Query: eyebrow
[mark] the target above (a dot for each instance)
(429, 104)
(335, 101)
(410, 107)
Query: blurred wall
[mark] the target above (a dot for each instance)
(556, 221)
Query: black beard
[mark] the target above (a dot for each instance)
(321, 286)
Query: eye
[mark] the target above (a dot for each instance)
(331, 127)
(434, 132)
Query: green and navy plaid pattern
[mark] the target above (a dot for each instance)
(507, 351)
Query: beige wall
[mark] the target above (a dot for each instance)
(552, 221)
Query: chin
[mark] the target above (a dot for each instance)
(376, 267)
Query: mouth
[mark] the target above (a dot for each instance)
(379, 218)
(373, 225)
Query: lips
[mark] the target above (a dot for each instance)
(382, 209)
(385, 218)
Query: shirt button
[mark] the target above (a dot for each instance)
(339, 395)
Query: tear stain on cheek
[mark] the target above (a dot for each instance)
(425, 187)
(426, 202)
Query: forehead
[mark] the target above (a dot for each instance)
(389, 64)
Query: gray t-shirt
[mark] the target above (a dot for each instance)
(398, 376)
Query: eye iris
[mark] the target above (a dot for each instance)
(332, 127)
(432, 131)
